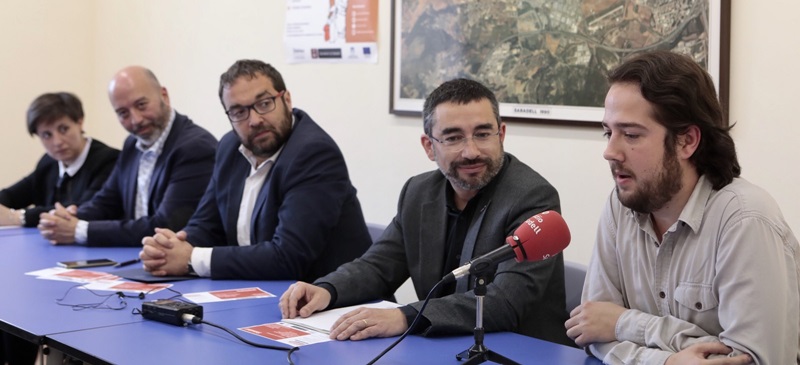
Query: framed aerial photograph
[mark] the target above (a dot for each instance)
(546, 60)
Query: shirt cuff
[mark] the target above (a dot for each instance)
(411, 313)
(82, 232)
(201, 261)
(21, 213)
(332, 290)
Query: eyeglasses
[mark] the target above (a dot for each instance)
(241, 113)
(458, 142)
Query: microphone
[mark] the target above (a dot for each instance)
(538, 238)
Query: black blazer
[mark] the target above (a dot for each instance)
(39, 188)
(179, 178)
(526, 297)
(307, 219)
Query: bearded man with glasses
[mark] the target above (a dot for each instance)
(445, 218)
(280, 204)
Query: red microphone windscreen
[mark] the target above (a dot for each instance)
(540, 237)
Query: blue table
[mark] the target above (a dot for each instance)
(13, 231)
(29, 310)
(148, 342)
(29, 307)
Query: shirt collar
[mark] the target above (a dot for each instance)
(692, 212)
(71, 170)
(159, 144)
(251, 158)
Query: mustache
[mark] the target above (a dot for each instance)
(466, 162)
(262, 128)
(617, 169)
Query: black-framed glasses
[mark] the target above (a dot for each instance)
(457, 142)
(241, 113)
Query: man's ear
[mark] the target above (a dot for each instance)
(688, 142)
(427, 145)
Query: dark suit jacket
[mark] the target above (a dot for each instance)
(307, 219)
(39, 188)
(525, 297)
(179, 178)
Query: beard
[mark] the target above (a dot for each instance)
(273, 143)
(157, 125)
(654, 194)
(493, 166)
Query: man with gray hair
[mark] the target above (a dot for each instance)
(158, 180)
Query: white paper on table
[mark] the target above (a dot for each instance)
(287, 333)
(323, 321)
(126, 286)
(229, 294)
(306, 331)
(73, 275)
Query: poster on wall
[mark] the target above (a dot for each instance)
(546, 60)
(331, 31)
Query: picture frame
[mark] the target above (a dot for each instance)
(546, 60)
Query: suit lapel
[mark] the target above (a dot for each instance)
(129, 183)
(239, 175)
(158, 174)
(161, 165)
(261, 200)
(433, 221)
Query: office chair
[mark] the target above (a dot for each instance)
(574, 275)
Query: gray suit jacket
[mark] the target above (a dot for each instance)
(526, 297)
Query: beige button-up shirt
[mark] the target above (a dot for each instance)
(727, 270)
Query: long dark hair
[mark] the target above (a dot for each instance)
(682, 95)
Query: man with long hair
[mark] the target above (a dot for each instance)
(692, 264)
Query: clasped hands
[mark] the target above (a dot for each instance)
(596, 322)
(303, 299)
(166, 253)
(58, 225)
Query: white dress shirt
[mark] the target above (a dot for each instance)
(147, 163)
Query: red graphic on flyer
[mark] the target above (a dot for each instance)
(142, 287)
(274, 331)
(243, 293)
(87, 275)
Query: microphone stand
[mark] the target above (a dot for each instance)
(478, 353)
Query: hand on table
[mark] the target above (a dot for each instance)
(166, 253)
(303, 299)
(58, 225)
(364, 323)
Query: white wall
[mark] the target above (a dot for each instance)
(44, 47)
(188, 43)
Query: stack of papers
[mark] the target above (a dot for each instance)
(226, 295)
(305, 331)
(97, 280)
